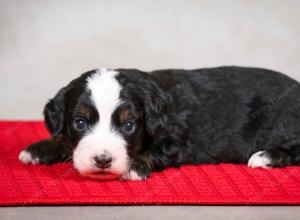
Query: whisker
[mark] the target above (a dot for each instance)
(67, 159)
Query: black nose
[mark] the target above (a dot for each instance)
(103, 160)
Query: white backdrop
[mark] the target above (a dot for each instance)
(45, 44)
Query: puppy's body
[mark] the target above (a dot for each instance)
(139, 122)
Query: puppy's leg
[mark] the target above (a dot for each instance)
(278, 157)
(139, 169)
(45, 152)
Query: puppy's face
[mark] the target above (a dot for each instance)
(102, 120)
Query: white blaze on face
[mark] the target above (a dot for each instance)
(105, 91)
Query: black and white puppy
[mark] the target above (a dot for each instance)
(129, 123)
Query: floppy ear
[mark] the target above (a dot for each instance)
(156, 104)
(155, 118)
(54, 113)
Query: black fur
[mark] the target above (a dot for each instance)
(202, 116)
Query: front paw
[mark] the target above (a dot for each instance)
(44, 152)
(27, 158)
(133, 175)
(139, 170)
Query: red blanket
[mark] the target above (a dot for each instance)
(223, 184)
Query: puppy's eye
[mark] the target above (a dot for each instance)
(128, 127)
(80, 124)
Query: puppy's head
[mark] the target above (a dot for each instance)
(105, 116)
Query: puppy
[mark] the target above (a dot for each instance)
(129, 123)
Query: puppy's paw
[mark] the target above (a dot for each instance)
(27, 158)
(44, 152)
(260, 159)
(132, 175)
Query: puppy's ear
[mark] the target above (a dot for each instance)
(155, 117)
(156, 105)
(54, 113)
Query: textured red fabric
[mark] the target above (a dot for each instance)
(207, 184)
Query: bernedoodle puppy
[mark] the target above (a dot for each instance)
(129, 123)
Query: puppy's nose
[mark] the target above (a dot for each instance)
(103, 160)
